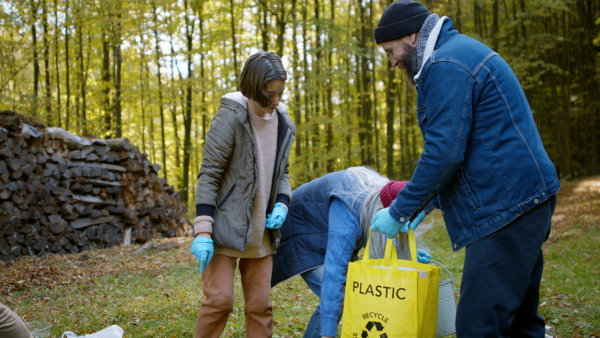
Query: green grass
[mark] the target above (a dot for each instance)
(570, 292)
(158, 293)
(159, 303)
(153, 304)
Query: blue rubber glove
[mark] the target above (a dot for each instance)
(204, 250)
(384, 222)
(414, 224)
(277, 217)
(423, 256)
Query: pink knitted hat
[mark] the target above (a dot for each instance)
(389, 192)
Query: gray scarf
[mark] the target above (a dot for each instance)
(424, 33)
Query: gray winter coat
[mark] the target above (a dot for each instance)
(227, 178)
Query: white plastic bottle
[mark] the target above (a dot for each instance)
(550, 332)
(114, 331)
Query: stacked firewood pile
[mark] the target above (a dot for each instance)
(61, 193)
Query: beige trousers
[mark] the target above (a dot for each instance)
(217, 285)
(11, 325)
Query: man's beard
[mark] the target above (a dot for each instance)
(410, 63)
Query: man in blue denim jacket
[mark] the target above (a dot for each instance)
(483, 164)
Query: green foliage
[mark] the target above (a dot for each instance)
(338, 78)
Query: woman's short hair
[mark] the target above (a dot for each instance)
(260, 69)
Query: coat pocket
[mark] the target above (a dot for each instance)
(421, 115)
(467, 190)
(227, 198)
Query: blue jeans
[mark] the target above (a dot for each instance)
(314, 279)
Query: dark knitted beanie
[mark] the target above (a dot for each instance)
(400, 19)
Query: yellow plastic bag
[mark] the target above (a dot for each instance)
(391, 297)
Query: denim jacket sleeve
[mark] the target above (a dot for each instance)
(341, 243)
(444, 109)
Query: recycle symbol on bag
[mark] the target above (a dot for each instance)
(373, 329)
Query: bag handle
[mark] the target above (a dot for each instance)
(390, 249)
(387, 253)
(412, 244)
(368, 247)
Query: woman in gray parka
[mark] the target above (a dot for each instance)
(242, 195)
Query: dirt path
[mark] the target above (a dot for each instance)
(578, 202)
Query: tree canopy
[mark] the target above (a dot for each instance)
(154, 71)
